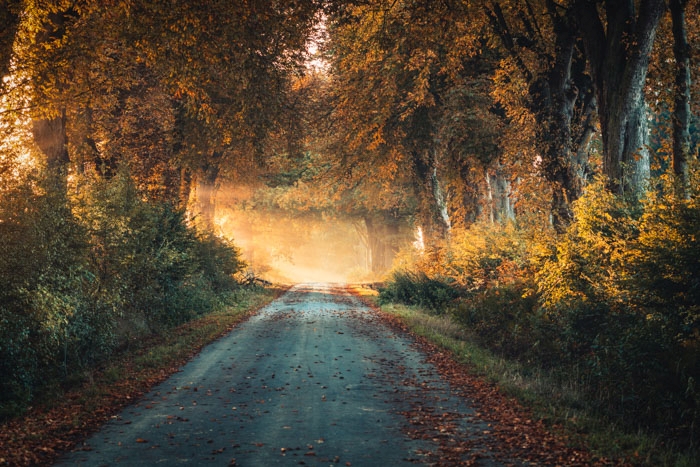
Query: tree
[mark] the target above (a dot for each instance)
(681, 105)
(391, 63)
(472, 161)
(618, 38)
(540, 40)
(9, 22)
(247, 56)
(48, 27)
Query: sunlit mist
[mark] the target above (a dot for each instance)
(293, 248)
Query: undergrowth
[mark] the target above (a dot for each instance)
(598, 324)
(70, 413)
(555, 397)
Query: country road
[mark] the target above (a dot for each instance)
(315, 378)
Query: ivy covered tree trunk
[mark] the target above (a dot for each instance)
(618, 39)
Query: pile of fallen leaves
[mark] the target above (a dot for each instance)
(42, 434)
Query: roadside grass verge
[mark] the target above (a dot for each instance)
(551, 396)
(67, 415)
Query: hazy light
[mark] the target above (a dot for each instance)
(419, 243)
(292, 247)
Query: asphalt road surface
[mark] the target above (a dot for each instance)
(312, 379)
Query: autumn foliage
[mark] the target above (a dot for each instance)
(542, 153)
(79, 285)
(612, 302)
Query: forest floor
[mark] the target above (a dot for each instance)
(316, 377)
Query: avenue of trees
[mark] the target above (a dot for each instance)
(544, 153)
(548, 152)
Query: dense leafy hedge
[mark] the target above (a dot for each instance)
(613, 302)
(80, 278)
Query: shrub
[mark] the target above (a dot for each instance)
(664, 285)
(150, 265)
(613, 302)
(219, 261)
(42, 268)
(416, 288)
(621, 286)
(80, 278)
(503, 319)
(488, 255)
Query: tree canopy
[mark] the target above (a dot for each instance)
(486, 144)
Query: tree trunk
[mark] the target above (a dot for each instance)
(470, 191)
(488, 197)
(681, 103)
(582, 141)
(497, 197)
(558, 96)
(433, 216)
(553, 101)
(185, 188)
(440, 202)
(9, 21)
(618, 48)
(380, 245)
(49, 128)
(50, 137)
(206, 198)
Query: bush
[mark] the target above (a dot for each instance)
(42, 268)
(416, 288)
(219, 261)
(80, 278)
(613, 302)
(488, 255)
(504, 320)
(664, 285)
(152, 267)
(622, 288)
